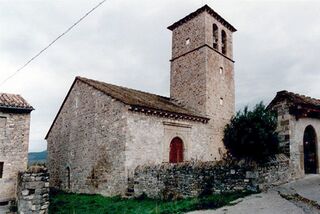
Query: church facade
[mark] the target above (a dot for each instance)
(102, 132)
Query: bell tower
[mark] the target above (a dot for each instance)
(202, 70)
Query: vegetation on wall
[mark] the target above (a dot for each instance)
(251, 134)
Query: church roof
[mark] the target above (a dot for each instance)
(197, 12)
(14, 102)
(145, 102)
(299, 105)
(139, 101)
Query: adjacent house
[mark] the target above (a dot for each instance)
(102, 132)
(14, 141)
(299, 128)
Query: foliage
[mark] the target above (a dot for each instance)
(252, 134)
(63, 203)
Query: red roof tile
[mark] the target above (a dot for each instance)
(13, 101)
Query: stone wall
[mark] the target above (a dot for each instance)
(190, 179)
(33, 191)
(149, 138)
(14, 140)
(297, 129)
(87, 142)
(291, 131)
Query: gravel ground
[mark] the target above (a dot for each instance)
(298, 197)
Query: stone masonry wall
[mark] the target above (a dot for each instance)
(191, 179)
(297, 128)
(33, 191)
(87, 142)
(149, 138)
(291, 132)
(14, 140)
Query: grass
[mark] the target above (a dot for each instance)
(65, 203)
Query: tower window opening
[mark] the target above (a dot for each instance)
(1, 169)
(223, 42)
(215, 36)
(221, 71)
(221, 101)
(188, 41)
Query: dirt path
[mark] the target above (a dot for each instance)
(298, 197)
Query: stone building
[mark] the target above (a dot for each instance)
(14, 138)
(298, 127)
(102, 132)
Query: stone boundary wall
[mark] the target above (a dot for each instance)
(33, 191)
(191, 179)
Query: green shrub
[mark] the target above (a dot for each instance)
(252, 134)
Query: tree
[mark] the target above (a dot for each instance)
(252, 134)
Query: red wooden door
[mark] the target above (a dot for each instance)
(176, 151)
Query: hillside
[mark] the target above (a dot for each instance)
(40, 157)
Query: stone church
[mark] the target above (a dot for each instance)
(102, 132)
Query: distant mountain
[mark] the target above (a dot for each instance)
(37, 157)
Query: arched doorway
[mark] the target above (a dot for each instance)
(310, 150)
(176, 150)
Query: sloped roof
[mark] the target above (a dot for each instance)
(14, 102)
(197, 12)
(136, 98)
(295, 99)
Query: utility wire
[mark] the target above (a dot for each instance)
(51, 43)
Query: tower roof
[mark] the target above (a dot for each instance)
(201, 10)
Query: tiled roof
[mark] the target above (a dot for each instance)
(14, 102)
(296, 99)
(197, 12)
(139, 100)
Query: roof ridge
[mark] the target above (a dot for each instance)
(297, 94)
(197, 12)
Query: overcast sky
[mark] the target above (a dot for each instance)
(126, 42)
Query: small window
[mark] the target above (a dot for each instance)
(221, 101)
(1, 169)
(215, 36)
(187, 41)
(32, 191)
(3, 122)
(221, 71)
(223, 42)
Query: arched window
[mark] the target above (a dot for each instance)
(223, 42)
(68, 177)
(310, 150)
(176, 150)
(215, 36)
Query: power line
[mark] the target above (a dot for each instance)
(51, 43)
